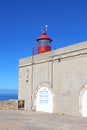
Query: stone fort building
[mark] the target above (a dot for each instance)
(54, 81)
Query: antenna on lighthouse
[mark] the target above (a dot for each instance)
(44, 28)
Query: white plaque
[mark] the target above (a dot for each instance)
(44, 100)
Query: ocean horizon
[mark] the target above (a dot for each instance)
(8, 94)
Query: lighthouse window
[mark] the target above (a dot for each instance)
(43, 42)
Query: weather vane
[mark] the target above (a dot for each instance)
(44, 28)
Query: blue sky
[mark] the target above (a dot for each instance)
(20, 26)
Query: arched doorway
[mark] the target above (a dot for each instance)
(44, 100)
(84, 104)
(83, 101)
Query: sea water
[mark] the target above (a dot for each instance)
(8, 95)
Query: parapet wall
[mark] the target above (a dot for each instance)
(9, 105)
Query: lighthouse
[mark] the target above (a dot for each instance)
(44, 42)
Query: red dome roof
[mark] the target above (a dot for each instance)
(44, 37)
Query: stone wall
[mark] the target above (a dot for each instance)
(9, 105)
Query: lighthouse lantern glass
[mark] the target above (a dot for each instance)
(44, 42)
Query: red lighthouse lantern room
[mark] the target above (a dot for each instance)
(44, 43)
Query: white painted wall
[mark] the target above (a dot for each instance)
(66, 77)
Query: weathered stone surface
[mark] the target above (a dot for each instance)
(9, 105)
